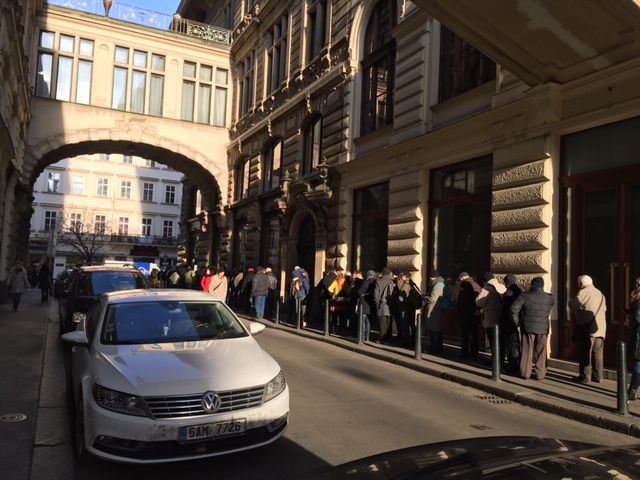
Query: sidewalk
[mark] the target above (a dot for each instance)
(594, 404)
(32, 383)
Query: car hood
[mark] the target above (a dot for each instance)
(493, 457)
(183, 367)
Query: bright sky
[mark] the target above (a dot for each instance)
(161, 6)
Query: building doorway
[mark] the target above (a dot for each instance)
(306, 247)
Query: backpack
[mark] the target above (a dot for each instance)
(445, 303)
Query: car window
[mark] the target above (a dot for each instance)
(167, 322)
(101, 282)
(91, 322)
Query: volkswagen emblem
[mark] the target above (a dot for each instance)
(211, 402)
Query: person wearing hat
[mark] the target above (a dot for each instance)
(408, 300)
(535, 306)
(490, 301)
(634, 342)
(589, 309)
(468, 314)
(436, 302)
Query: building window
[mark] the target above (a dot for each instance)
(140, 66)
(146, 227)
(77, 184)
(100, 224)
(316, 28)
(125, 189)
(72, 65)
(167, 228)
(149, 163)
(75, 222)
(170, 194)
(245, 83)
(271, 164)
(462, 67)
(104, 157)
(242, 180)
(460, 212)
(378, 68)
(103, 187)
(312, 145)
(147, 192)
(188, 90)
(50, 220)
(204, 93)
(370, 227)
(127, 159)
(277, 60)
(123, 226)
(220, 105)
(248, 5)
(53, 182)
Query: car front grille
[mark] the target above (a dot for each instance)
(191, 405)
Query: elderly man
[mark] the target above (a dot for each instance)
(589, 309)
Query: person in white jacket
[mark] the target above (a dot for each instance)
(490, 301)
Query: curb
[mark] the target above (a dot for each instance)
(627, 425)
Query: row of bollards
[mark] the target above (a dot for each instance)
(622, 393)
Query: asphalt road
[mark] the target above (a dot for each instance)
(345, 406)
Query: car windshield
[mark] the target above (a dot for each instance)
(167, 322)
(97, 283)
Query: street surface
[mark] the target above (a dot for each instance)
(345, 406)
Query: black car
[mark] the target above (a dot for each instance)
(494, 458)
(87, 283)
(61, 282)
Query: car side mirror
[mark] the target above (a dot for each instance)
(76, 338)
(255, 328)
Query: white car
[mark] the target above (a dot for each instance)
(168, 375)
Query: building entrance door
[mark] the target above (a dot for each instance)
(306, 248)
(604, 243)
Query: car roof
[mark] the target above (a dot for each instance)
(158, 294)
(108, 268)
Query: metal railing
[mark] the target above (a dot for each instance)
(148, 18)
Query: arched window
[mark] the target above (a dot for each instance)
(312, 145)
(271, 165)
(378, 68)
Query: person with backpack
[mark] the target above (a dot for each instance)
(490, 301)
(365, 302)
(436, 302)
(383, 294)
(259, 291)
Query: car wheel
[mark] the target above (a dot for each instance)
(79, 447)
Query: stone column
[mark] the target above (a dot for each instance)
(6, 227)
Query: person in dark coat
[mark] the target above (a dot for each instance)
(365, 295)
(634, 343)
(384, 291)
(259, 291)
(245, 290)
(510, 332)
(44, 281)
(468, 315)
(18, 284)
(535, 306)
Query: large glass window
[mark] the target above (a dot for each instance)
(462, 67)
(245, 84)
(53, 182)
(461, 217)
(50, 218)
(147, 192)
(220, 105)
(125, 189)
(138, 89)
(312, 146)
(188, 90)
(77, 184)
(378, 68)
(63, 85)
(272, 162)
(119, 99)
(102, 187)
(316, 27)
(370, 227)
(170, 194)
(277, 60)
(85, 74)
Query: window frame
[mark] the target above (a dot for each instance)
(271, 174)
(309, 161)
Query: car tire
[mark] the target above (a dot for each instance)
(83, 457)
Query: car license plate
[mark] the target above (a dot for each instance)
(212, 430)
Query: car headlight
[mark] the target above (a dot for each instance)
(119, 402)
(79, 317)
(275, 387)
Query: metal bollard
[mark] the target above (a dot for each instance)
(326, 318)
(495, 353)
(278, 310)
(623, 396)
(298, 313)
(418, 337)
(360, 322)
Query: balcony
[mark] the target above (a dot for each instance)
(144, 240)
(147, 18)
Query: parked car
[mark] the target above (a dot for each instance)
(87, 283)
(61, 282)
(493, 458)
(168, 375)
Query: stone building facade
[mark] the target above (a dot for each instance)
(466, 165)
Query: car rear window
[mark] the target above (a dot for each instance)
(97, 283)
(168, 322)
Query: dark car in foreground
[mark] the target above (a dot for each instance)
(87, 283)
(521, 458)
(61, 282)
